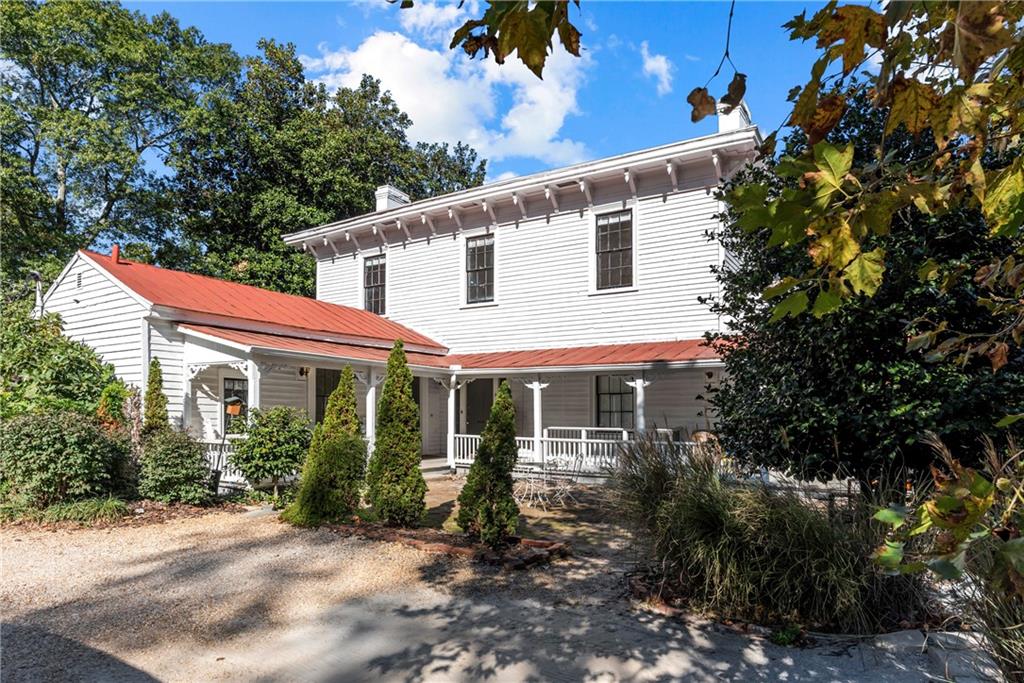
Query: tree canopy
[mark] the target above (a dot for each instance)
(119, 127)
(825, 394)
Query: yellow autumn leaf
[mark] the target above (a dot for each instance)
(912, 105)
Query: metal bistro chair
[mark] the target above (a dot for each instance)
(529, 482)
(562, 482)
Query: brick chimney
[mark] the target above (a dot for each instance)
(115, 253)
(390, 197)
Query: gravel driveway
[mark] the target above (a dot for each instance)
(239, 596)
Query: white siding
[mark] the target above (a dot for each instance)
(103, 316)
(282, 386)
(544, 265)
(167, 345)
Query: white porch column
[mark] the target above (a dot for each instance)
(538, 419)
(639, 384)
(450, 434)
(372, 380)
(252, 376)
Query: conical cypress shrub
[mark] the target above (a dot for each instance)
(332, 476)
(487, 508)
(395, 485)
(340, 415)
(155, 415)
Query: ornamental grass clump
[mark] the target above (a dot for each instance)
(395, 486)
(332, 477)
(487, 508)
(748, 551)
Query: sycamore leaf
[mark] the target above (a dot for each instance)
(890, 555)
(702, 102)
(826, 302)
(832, 164)
(1008, 420)
(894, 515)
(857, 26)
(1004, 200)
(835, 248)
(781, 287)
(766, 150)
(920, 341)
(865, 272)
(807, 102)
(876, 214)
(792, 305)
(959, 112)
(980, 31)
(949, 569)
(912, 105)
(734, 94)
(928, 271)
(998, 355)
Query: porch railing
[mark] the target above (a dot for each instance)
(595, 455)
(217, 458)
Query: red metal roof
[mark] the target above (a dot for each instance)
(277, 342)
(583, 356)
(201, 294)
(687, 350)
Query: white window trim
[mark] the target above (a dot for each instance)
(361, 281)
(224, 373)
(464, 236)
(594, 212)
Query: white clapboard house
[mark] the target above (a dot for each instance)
(580, 286)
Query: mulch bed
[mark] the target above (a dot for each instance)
(141, 513)
(521, 553)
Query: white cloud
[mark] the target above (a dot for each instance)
(436, 22)
(451, 98)
(658, 67)
(691, 58)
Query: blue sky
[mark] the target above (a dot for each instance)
(626, 93)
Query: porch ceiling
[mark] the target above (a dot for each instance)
(607, 357)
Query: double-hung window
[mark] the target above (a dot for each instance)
(614, 245)
(615, 402)
(480, 269)
(235, 388)
(374, 281)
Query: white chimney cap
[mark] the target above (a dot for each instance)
(738, 119)
(389, 197)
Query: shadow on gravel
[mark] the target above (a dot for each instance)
(27, 655)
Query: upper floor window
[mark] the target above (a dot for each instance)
(479, 269)
(614, 241)
(615, 402)
(374, 279)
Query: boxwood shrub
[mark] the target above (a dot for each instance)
(174, 469)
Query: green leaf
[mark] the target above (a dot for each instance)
(920, 341)
(1004, 200)
(832, 163)
(890, 555)
(865, 272)
(792, 305)
(894, 515)
(826, 302)
(1013, 551)
(781, 287)
(928, 271)
(1008, 420)
(949, 569)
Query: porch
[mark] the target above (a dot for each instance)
(567, 416)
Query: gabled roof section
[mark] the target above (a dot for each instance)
(193, 293)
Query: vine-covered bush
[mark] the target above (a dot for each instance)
(41, 369)
(111, 408)
(395, 485)
(53, 457)
(486, 506)
(275, 444)
(174, 469)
